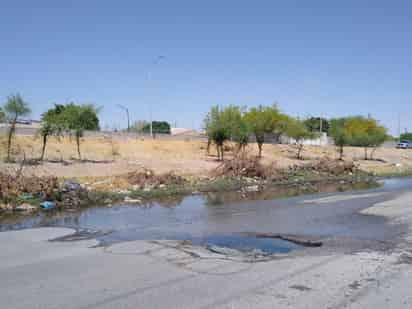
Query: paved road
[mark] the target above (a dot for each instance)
(36, 273)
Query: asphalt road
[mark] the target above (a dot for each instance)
(37, 273)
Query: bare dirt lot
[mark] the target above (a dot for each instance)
(106, 157)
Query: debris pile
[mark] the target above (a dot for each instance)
(14, 186)
(243, 165)
(146, 178)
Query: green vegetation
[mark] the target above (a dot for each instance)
(265, 120)
(314, 124)
(297, 130)
(358, 131)
(70, 118)
(2, 115)
(158, 127)
(14, 108)
(406, 136)
(78, 118)
(52, 124)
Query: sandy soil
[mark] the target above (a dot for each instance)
(105, 157)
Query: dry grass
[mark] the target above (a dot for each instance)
(184, 157)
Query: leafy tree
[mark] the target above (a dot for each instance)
(78, 118)
(406, 136)
(52, 123)
(158, 127)
(313, 124)
(2, 115)
(365, 132)
(217, 130)
(263, 120)
(338, 133)
(14, 108)
(233, 118)
(297, 130)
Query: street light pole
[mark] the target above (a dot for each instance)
(149, 78)
(127, 114)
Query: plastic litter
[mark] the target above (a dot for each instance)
(47, 205)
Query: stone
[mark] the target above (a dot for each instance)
(252, 188)
(127, 199)
(25, 207)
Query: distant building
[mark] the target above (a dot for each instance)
(183, 131)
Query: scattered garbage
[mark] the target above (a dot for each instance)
(47, 205)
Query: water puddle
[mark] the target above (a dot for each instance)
(223, 220)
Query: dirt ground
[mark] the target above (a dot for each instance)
(106, 157)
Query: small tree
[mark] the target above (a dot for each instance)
(366, 133)
(14, 108)
(51, 124)
(297, 130)
(338, 133)
(217, 130)
(78, 118)
(263, 120)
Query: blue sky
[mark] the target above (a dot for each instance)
(332, 58)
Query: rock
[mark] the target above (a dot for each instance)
(131, 200)
(25, 207)
(162, 186)
(69, 185)
(107, 201)
(252, 188)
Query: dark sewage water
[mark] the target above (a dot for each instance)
(228, 219)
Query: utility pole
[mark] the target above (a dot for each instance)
(149, 78)
(127, 114)
(399, 125)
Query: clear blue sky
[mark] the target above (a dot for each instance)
(313, 57)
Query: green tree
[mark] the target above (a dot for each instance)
(263, 120)
(314, 124)
(158, 127)
(366, 133)
(297, 130)
(2, 115)
(406, 136)
(217, 130)
(14, 108)
(79, 118)
(52, 123)
(338, 133)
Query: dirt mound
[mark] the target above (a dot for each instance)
(248, 166)
(251, 166)
(148, 178)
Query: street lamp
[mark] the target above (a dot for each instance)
(149, 77)
(127, 114)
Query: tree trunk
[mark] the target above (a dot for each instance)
(372, 153)
(43, 149)
(300, 148)
(260, 145)
(10, 137)
(209, 143)
(341, 152)
(222, 152)
(366, 153)
(78, 145)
